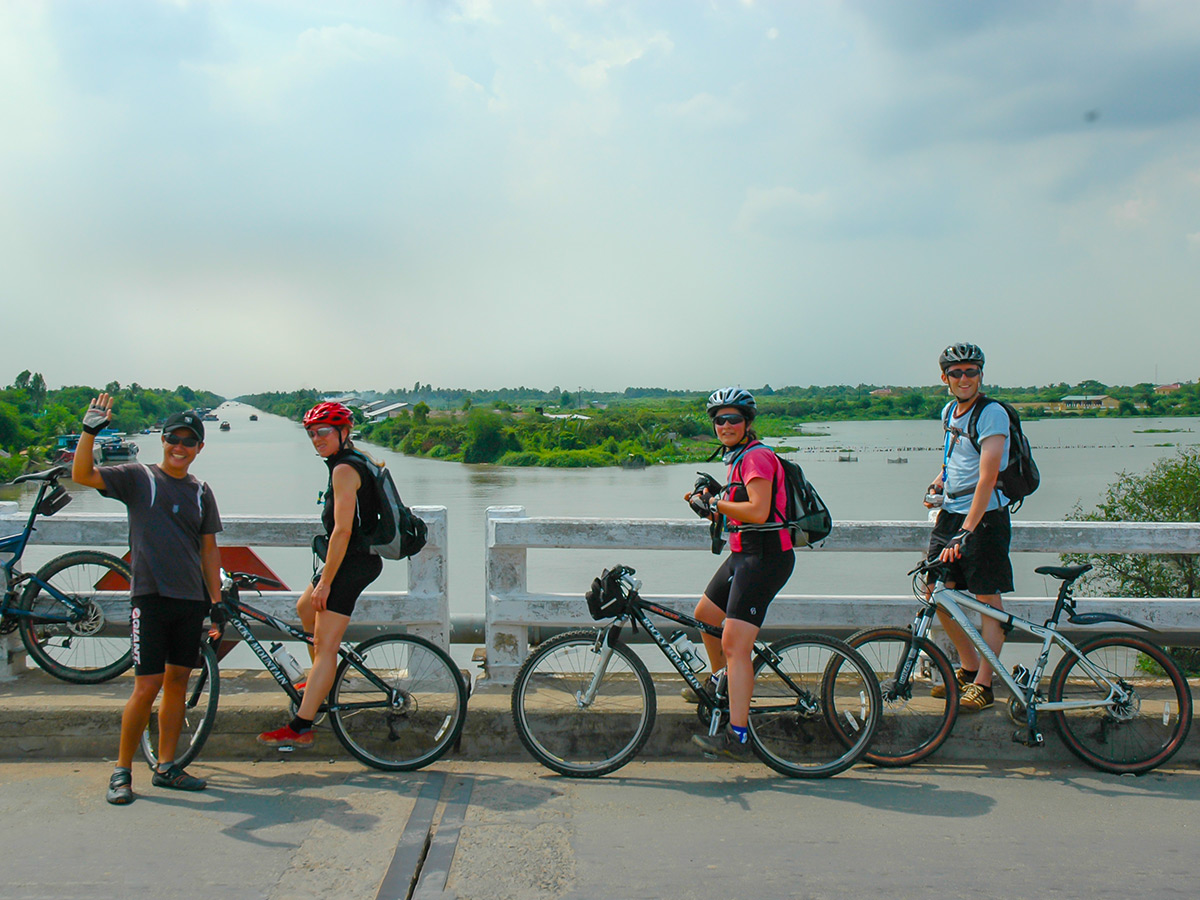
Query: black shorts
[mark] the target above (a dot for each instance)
(165, 631)
(986, 569)
(746, 584)
(354, 574)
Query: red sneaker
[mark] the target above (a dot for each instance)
(285, 737)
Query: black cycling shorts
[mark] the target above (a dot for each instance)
(746, 583)
(165, 631)
(986, 568)
(354, 574)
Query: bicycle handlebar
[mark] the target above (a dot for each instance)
(247, 580)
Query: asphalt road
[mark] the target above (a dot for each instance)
(303, 827)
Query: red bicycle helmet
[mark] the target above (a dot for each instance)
(334, 414)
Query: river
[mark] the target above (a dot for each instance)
(268, 467)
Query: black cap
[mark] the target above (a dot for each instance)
(187, 419)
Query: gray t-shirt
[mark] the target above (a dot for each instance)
(167, 516)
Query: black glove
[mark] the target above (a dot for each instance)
(96, 419)
(217, 614)
(702, 505)
(964, 541)
(706, 483)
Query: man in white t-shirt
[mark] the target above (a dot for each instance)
(973, 530)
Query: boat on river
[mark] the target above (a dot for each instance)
(64, 450)
(898, 459)
(847, 457)
(253, 417)
(225, 426)
(113, 448)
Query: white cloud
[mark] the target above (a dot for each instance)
(780, 205)
(1134, 211)
(263, 81)
(708, 111)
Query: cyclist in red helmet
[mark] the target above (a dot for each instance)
(351, 510)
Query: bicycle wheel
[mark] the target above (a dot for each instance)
(819, 680)
(421, 725)
(76, 650)
(199, 712)
(572, 736)
(1131, 737)
(913, 724)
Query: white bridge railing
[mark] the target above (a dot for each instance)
(512, 609)
(423, 609)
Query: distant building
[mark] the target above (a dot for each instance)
(390, 411)
(1076, 402)
(567, 416)
(1167, 388)
(881, 392)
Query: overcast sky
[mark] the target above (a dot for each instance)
(248, 196)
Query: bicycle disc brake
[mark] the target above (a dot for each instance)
(91, 623)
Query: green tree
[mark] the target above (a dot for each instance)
(485, 437)
(1169, 492)
(421, 413)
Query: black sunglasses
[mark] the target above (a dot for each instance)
(188, 442)
(964, 373)
(729, 419)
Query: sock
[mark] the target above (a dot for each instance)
(742, 734)
(300, 725)
(969, 674)
(164, 764)
(125, 769)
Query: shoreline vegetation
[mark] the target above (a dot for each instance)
(648, 426)
(32, 417)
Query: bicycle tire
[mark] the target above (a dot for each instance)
(199, 713)
(426, 724)
(793, 733)
(1144, 734)
(74, 651)
(912, 724)
(573, 740)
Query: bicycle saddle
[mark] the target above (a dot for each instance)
(1066, 573)
(48, 475)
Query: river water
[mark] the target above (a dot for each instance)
(268, 467)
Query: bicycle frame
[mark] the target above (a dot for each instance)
(15, 544)
(239, 609)
(638, 612)
(953, 602)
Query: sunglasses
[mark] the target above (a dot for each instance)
(175, 440)
(973, 372)
(729, 419)
(322, 431)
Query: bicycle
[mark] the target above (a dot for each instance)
(397, 702)
(584, 703)
(1118, 701)
(63, 609)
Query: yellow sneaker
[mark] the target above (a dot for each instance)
(964, 678)
(975, 697)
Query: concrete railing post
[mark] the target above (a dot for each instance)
(428, 576)
(12, 651)
(507, 643)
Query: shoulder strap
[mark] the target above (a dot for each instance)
(973, 420)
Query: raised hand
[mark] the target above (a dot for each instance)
(98, 414)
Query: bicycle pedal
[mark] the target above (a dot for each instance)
(1029, 740)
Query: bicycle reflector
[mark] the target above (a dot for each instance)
(605, 599)
(54, 501)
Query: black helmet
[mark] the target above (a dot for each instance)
(960, 353)
(739, 398)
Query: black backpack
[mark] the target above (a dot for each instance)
(807, 517)
(399, 533)
(1020, 477)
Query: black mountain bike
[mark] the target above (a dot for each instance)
(397, 702)
(584, 703)
(62, 610)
